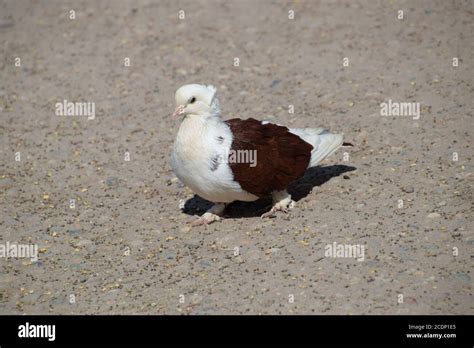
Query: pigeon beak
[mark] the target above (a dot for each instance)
(179, 111)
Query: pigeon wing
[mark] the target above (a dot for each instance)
(281, 156)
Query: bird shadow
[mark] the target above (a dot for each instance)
(298, 189)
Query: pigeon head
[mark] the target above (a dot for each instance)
(197, 100)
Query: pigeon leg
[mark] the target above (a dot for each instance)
(281, 202)
(213, 214)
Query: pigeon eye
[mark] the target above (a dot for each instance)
(192, 100)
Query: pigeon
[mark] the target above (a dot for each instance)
(240, 160)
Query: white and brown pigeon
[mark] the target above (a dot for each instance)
(240, 160)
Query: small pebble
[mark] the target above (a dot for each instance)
(112, 181)
(192, 244)
(74, 231)
(274, 83)
(433, 215)
(396, 163)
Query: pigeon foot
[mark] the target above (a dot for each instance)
(213, 214)
(206, 219)
(282, 202)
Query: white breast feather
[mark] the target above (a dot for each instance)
(196, 144)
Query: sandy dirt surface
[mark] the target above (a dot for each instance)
(125, 248)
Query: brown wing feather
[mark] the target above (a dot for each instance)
(282, 157)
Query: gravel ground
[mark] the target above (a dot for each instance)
(126, 248)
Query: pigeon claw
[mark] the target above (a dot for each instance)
(205, 219)
(269, 214)
(282, 206)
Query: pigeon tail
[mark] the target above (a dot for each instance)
(324, 143)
